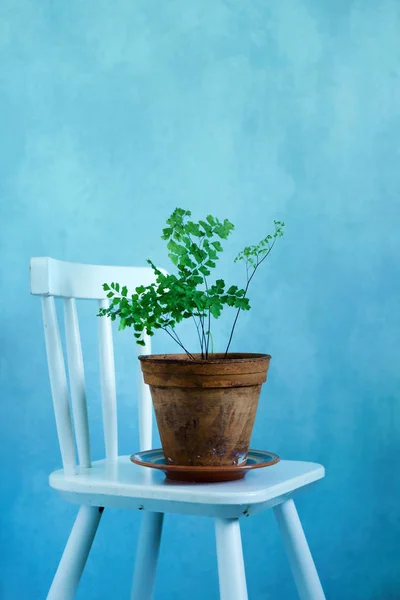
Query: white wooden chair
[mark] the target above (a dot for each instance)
(116, 482)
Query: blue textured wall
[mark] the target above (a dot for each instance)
(112, 114)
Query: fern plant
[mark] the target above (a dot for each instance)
(194, 249)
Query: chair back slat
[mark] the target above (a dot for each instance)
(53, 278)
(77, 382)
(108, 391)
(145, 407)
(58, 383)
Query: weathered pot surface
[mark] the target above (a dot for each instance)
(205, 409)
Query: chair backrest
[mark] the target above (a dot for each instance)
(53, 278)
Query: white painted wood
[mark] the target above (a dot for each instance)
(147, 556)
(58, 383)
(117, 483)
(108, 391)
(132, 486)
(145, 405)
(50, 277)
(300, 559)
(77, 382)
(70, 568)
(231, 573)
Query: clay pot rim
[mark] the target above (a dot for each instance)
(232, 357)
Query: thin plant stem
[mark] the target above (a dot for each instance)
(175, 334)
(203, 343)
(245, 293)
(198, 333)
(208, 332)
(179, 343)
(207, 341)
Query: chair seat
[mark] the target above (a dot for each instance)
(125, 485)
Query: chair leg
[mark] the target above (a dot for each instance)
(232, 578)
(147, 556)
(300, 559)
(76, 552)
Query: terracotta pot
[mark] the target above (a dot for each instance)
(205, 409)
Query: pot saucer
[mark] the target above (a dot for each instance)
(154, 459)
